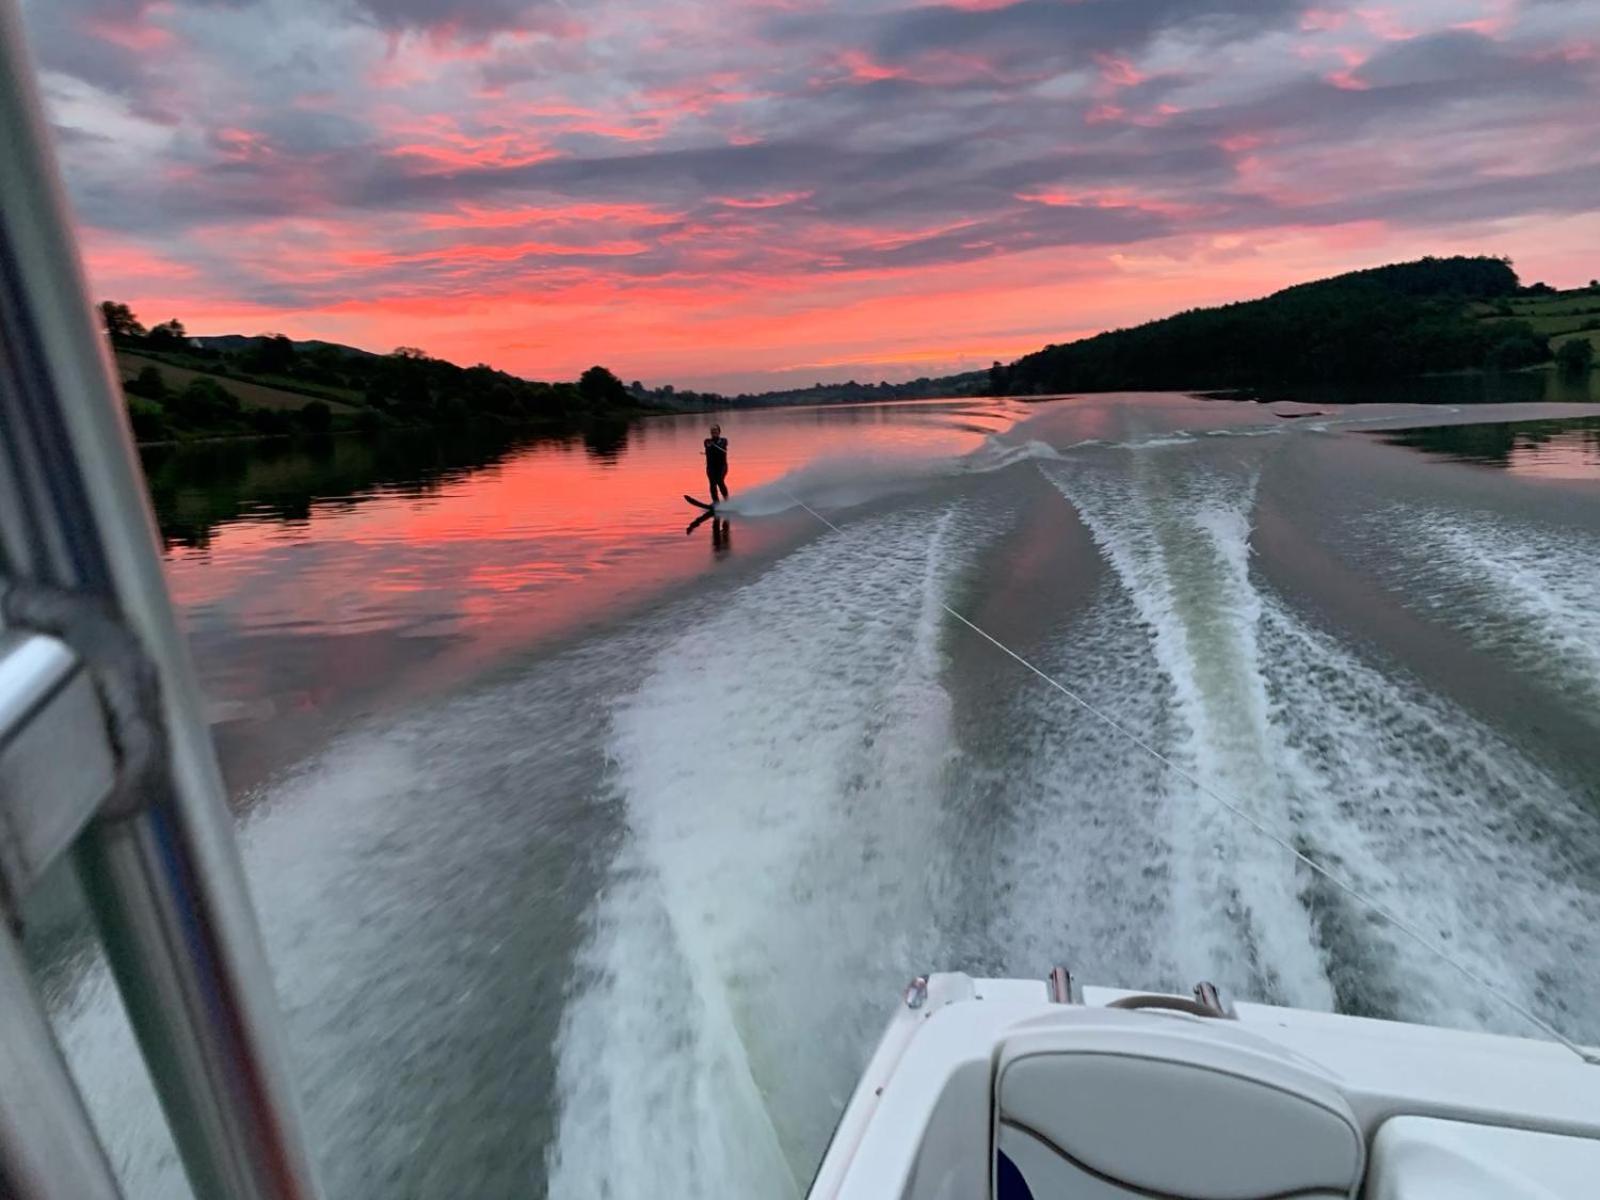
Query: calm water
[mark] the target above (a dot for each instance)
(592, 847)
(1556, 449)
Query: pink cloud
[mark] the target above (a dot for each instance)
(1385, 23)
(1118, 72)
(1114, 198)
(862, 68)
(472, 216)
(702, 95)
(119, 262)
(1238, 143)
(1569, 52)
(135, 35)
(777, 200)
(1346, 78)
(1318, 20)
(1499, 16)
(493, 153)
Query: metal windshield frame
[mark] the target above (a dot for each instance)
(162, 869)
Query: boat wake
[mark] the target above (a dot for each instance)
(843, 481)
(1400, 792)
(809, 824)
(781, 769)
(1524, 593)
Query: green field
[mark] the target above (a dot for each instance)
(251, 394)
(1559, 317)
(1592, 336)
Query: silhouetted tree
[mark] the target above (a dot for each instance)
(601, 389)
(120, 322)
(317, 417)
(149, 383)
(1523, 348)
(169, 335)
(272, 354)
(270, 421)
(148, 419)
(1575, 356)
(205, 404)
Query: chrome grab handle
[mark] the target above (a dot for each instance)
(1206, 1003)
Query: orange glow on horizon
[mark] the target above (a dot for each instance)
(735, 196)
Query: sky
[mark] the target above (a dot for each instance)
(744, 194)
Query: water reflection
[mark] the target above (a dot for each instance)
(197, 488)
(324, 578)
(1516, 387)
(607, 439)
(1567, 448)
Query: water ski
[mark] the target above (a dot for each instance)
(700, 503)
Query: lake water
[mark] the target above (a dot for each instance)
(591, 848)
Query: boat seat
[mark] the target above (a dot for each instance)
(1148, 1105)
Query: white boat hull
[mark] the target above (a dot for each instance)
(980, 1085)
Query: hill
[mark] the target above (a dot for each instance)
(181, 388)
(970, 384)
(1431, 315)
(251, 394)
(240, 342)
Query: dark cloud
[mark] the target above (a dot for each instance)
(465, 17)
(1449, 199)
(1456, 56)
(1482, 82)
(1033, 227)
(1062, 25)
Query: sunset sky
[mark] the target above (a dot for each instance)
(756, 193)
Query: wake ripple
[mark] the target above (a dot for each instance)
(1403, 793)
(781, 770)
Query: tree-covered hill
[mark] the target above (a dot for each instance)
(1403, 319)
(180, 387)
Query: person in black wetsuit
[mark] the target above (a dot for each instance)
(717, 463)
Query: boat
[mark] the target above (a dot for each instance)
(1001, 1088)
(1019, 1089)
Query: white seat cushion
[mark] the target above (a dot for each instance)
(1185, 1109)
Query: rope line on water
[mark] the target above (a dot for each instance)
(1271, 835)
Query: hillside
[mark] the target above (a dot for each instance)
(180, 388)
(1558, 317)
(240, 342)
(251, 394)
(1432, 315)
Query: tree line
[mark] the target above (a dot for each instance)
(1403, 319)
(344, 388)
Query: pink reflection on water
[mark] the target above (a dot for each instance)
(521, 552)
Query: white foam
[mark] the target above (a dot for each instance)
(1435, 816)
(1400, 791)
(1523, 591)
(837, 481)
(781, 770)
(1178, 541)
